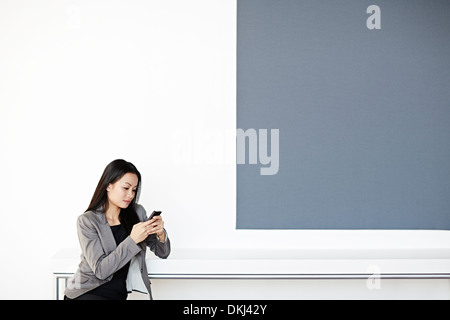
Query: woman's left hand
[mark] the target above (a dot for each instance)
(156, 226)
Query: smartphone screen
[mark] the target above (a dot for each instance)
(154, 214)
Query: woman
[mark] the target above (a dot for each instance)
(113, 234)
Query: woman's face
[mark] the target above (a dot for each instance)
(122, 192)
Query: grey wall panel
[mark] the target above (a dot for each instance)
(363, 114)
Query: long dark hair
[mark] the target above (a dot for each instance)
(113, 172)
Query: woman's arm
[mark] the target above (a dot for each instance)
(161, 249)
(101, 264)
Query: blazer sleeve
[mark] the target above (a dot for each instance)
(160, 249)
(103, 265)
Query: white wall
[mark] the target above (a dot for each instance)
(85, 82)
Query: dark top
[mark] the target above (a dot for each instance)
(116, 289)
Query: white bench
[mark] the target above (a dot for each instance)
(270, 264)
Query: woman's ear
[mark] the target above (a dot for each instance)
(108, 188)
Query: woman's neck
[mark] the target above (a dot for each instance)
(112, 215)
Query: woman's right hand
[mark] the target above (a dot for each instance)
(140, 231)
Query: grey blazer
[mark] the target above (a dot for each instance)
(101, 257)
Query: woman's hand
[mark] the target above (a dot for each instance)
(156, 226)
(140, 232)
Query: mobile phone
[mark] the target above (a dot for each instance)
(154, 214)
